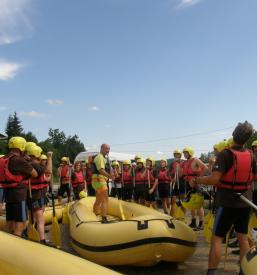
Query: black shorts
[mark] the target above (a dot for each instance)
(90, 190)
(226, 217)
(128, 192)
(164, 190)
(255, 197)
(36, 203)
(116, 192)
(150, 197)
(140, 191)
(2, 195)
(16, 211)
(64, 188)
(77, 190)
(180, 190)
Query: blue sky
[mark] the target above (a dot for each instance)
(128, 71)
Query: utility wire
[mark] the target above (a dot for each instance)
(171, 138)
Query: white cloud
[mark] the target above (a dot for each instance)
(94, 109)
(33, 114)
(187, 3)
(2, 108)
(159, 153)
(14, 20)
(55, 101)
(8, 70)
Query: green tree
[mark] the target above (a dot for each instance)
(250, 141)
(14, 126)
(29, 136)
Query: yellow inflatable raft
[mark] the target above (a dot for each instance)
(249, 262)
(21, 257)
(136, 235)
(47, 215)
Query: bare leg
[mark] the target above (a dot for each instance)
(215, 252)
(173, 205)
(19, 227)
(39, 218)
(243, 243)
(104, 199)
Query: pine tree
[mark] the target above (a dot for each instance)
(13, 126)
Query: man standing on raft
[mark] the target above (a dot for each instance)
(101, 174)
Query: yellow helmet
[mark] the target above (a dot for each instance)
(29, 144)
(254, 143)
(126, 162)
(152, 160)
(115, 163)
(34, 151)
(177, 151)
(220, 146)
(82, 194)
(64, 159)
(141, 161)
(17, 143)
(164, 160)
(137, 157)
(229, 142)
(189, 150)
(43, 157)
(2, 156)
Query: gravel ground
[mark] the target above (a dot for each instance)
(196, 265)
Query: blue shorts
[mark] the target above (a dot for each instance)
(16, 211)
(2, 195)
(226, 217)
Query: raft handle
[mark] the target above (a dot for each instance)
(141, 225)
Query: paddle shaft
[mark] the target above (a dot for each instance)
(243, 198)
(52, 195)
(30, 201)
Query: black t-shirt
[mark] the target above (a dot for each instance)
(18, 166)
(226, 197)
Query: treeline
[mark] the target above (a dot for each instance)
(57, 141)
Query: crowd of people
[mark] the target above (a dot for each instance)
(26, 178)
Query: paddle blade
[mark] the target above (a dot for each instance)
(210, 227)
(33, 234)
(56, 232)
(65, 216)
(206, 221)
(121, 211)
(179, 214)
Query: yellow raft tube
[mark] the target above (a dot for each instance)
(249, 262)
(21, 257)
(136, 235)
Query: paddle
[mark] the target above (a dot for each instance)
(180, 215)
(55, 229)
(65, 217)
(32, 232)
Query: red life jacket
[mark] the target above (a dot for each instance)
(139, 179)
(39, 183)
(79, 179)
(188, 172)
(65, 174)
(89, 174)
(163, 176)
(7, 179)
(118, 179)
(239, 176)
(174, 168)
(127, 177)
(151, 176)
